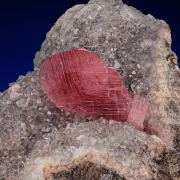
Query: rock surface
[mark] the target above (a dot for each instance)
(107, 144)
(34, 132)
(24, 120)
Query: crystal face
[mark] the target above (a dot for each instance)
(79, 81)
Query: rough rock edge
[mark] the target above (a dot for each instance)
(110, 144)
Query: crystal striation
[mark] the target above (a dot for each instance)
(79, 81)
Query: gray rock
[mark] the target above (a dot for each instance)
(97, 150)
(14, 92)
(22, 123)
(101, 143)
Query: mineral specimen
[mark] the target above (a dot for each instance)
(137, 45)
(33, 132)
(79, 81)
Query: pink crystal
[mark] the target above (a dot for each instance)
(79, 81)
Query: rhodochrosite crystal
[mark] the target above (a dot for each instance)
(79, 81)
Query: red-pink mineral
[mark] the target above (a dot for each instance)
(79, 81)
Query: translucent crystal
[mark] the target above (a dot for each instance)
(79, 81)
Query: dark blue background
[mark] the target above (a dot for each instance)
(23, 25)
